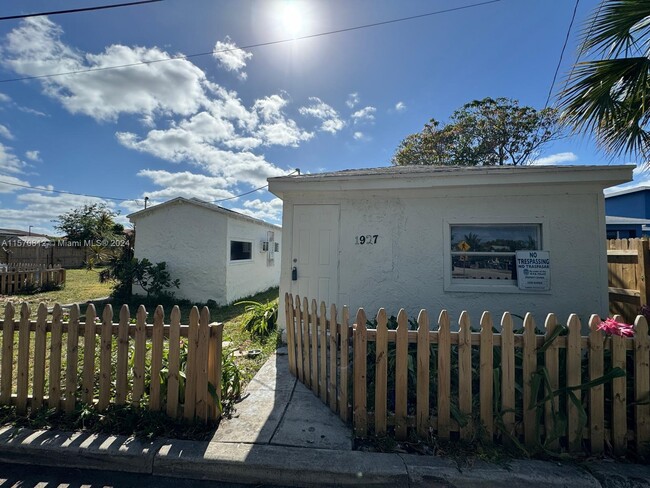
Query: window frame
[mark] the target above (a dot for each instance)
(488, 286)
(240, 261)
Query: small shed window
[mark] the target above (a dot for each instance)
(241, 250)
(486, 252)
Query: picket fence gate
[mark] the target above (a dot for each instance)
(330, 356)
(41, 359)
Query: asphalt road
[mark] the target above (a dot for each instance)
(26, 476)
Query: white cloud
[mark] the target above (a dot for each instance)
(6, 133)
(366, 114)
(185, 184)
(9, 162)
(7, 185)
(35, 48)
(4, 98)
(33, 155)
(400, 107)
(353, 100)
(553, 159)
(331, 122)
(231, 57)
(274, 127)
(265, 210)
(358, 136)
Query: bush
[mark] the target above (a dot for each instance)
(260, 318)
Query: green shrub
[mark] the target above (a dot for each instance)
(260, 318)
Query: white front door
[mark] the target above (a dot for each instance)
(315, 252)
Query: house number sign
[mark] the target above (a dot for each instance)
(366, 239)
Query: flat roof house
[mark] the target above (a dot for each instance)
(504, 238)
(216, 253)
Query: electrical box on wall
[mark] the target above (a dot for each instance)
(264, 246)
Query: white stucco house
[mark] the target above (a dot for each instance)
(506, 238)
(216, 253)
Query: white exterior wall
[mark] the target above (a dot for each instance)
(409, 264)
(245, 278)
(191, 240)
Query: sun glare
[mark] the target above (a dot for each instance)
(293, 18)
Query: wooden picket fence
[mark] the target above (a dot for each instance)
(451, 383)
(628, 269)
(15, 277)
(58, 361)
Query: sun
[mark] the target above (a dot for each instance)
(293, 18)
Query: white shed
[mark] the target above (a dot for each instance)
(505, 238)
(216, 253)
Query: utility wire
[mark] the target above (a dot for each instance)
(253, 190)
(34, 188)
(75, 10)
(251, 46)
(559, 63)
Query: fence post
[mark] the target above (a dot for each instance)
(157, 342)
(465, 374)
(202, 393)
(573, 378)
(106, 339)
(381, 372)
(443, 400)
(344, 405)
(314, 346)
(422, 389)
(121, 383)
(360, 342)
(56, 345)
(401, 375)
(215, 354)
(641, 384)
(643, 270)
(289, 325)
(173, 359)
(72, 359)
(190, 374)
(39, 357)
(300, 364)
(139, 355)
(88, 375)
(596, 393)
(7, 354)
(23, 359)
(486, 376)
(333, 397)
(322, 387)
(508, 377)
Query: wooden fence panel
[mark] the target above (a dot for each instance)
(189, 408)
(214, 367)
(510, 347)
(307, 340)
(202, 394)
(6, 378)
(291, 339)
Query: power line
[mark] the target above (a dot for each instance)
(252, 46)
(253, 190)
(75, 10)
(51, 190)
(559, 63)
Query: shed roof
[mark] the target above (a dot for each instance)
(199, 203)
(616, 220)
(422, 176)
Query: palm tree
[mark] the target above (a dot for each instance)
(610, 96)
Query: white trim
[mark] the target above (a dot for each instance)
(240, 261)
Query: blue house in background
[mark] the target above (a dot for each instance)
(628, 212)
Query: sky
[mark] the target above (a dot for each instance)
(217, 121)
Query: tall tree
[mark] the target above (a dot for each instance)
(610, 96)
(484, 132)
(89, 223)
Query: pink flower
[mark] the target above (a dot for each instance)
(612, 327)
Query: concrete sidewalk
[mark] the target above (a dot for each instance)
(283, 434)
